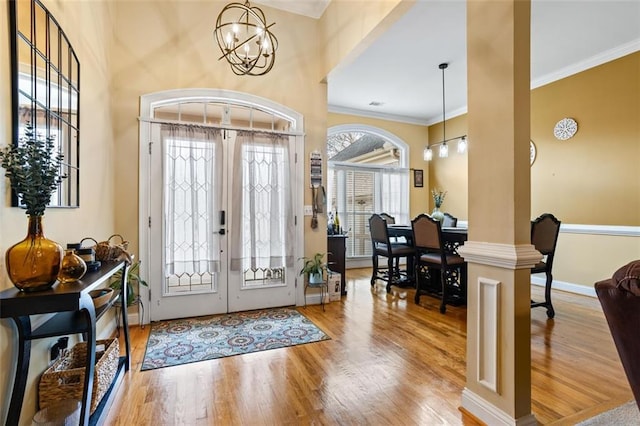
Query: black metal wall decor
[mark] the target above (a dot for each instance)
(45, 75)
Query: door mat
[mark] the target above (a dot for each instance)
(184, 341)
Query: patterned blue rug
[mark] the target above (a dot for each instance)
(189, 340)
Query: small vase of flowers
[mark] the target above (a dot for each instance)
(438, 199)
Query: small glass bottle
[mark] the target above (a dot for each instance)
(336, 223)
(330, 229)
(72, 267)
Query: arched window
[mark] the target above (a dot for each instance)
(367, 173)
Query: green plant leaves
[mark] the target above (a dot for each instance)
(33, 168)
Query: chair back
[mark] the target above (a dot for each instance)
(379, 232)
(544, 234)
(426, 233)
(390, 219)
(449, 221)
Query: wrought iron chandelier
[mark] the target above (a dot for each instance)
(243, 35)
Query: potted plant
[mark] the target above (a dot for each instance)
(314, 267)
(33, 167)
(134, 281)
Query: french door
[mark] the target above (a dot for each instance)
(221, 221)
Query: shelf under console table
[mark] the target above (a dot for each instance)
(73, 313)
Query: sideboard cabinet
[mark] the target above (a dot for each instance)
(337, 247)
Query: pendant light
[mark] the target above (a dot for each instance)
(444, 149)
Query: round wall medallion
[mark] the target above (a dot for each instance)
(565, 129)
(532, 152)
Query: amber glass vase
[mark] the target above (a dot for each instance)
(33, 264)
(72, 268)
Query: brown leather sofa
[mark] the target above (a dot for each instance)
(620, 300)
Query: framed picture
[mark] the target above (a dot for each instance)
(418, 178)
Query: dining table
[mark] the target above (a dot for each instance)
(453, 238)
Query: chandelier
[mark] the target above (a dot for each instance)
(245, 40)
(444, 148)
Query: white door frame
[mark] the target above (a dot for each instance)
(148, 103)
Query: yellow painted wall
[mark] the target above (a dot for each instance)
(592, 178)
(160, 56)
(88, 27)
(413, 135)
(450, 174)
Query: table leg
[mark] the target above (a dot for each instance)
(22, 369)
(89, 311)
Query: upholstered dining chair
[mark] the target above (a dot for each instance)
(431, 254)
(544, 237)
(390, 219)
(382, 247)
(449, 221)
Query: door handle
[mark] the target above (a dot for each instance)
(222, 231)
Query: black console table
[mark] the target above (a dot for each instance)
(336, 246)
(73, 313)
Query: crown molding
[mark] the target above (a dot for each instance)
(594, 61)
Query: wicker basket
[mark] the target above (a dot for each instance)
(65, 378)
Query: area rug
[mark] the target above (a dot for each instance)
(624, 415)
(189, 340)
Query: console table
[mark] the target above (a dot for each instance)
(336, 246)
(73, 313)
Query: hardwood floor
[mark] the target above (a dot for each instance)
(389, 361)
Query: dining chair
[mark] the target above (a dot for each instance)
(392, 221)
(449, 221)
(544, 237)
(382, 247)
(431, 254)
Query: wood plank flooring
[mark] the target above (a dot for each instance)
(389, 362)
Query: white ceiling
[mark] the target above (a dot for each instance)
(401, 69)
(312, 8)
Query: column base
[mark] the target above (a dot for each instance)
(490, 414)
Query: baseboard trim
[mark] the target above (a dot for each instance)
(564, 286)
(490, 414)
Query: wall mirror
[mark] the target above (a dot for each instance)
(46, 90)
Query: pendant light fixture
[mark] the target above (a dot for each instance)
(245, 39)
(443, 151)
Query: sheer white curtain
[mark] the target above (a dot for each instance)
(392, 197)
(192, 198)
(261, 197)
